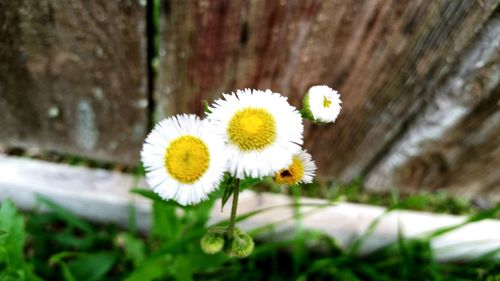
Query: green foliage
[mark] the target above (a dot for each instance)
(436, 202)
(61, 246)
(229, 183)
(12, 263)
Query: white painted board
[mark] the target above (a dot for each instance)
(103, 196)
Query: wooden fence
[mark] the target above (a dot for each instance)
(419, 79)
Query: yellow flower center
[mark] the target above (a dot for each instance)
(326, 102)
(252, 129)
(187, 159)
(292, 175)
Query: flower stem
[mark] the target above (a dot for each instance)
(234, 207)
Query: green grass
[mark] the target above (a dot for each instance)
(439, 201)
(60, 246)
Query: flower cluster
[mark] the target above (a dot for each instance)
(248, 133)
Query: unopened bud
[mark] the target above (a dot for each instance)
(321, 104)
(212, 242)
(241, 245)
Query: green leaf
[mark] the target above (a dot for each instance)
(206, 107)
(60, 257)
(12, 264)
(178, 245)
(13, 240)
(228, 190)
(132, 220)
(84, 266)
(2, 232)
(152, 268)
(249, 182)
(134, 249)
(182, 268)
(69, 239)
(166, 224)
(229, 184)
(93, 266)
(267, 227)
(487, 214)
(196, 217)
(360, 240)
(68, 276)
(65, 215)
(147, 194)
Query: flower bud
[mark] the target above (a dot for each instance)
(212, 242)
(321, 104)
(241, 245)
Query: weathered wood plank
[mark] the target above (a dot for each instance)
(386, 57)
(198, 44)
(97, 195)
(103, 196)
(73, 77)
(403, 52)
(455, 142)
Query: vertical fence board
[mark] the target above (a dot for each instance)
(386, 57)
(403, 53)
(73, 77)
(199, 41)
(455, 142)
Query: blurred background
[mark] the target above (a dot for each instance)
(419, 79)
(83, 81)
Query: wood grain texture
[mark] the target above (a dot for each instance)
(102, 196)
(454, 142)
(387, 58)
(403, 54)
(73, 77)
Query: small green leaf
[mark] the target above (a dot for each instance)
(65, 215)
(228, 190)
(93, 266)
(13, 241)
(206, 107)
(147, 194)
(2, 232)
(196, 217)
(134, 248)
(59, 257)
(179, 245)
(152, 268)
(68, 276)
(487, 214)
(12, 263)
(249, 182)
(166, 224)
(182, 268)
(153, 196)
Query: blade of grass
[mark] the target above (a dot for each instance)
(359, 241)
(65, 215)
(194, 235)
(488, 214)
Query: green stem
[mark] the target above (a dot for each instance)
(232, 219)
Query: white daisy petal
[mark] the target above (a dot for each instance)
(184, 160)
(261, 131)
(322, 104)
(301, 170)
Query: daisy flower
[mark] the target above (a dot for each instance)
(322, 104)
(184, 160)
(261, 130)
(301, 170)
